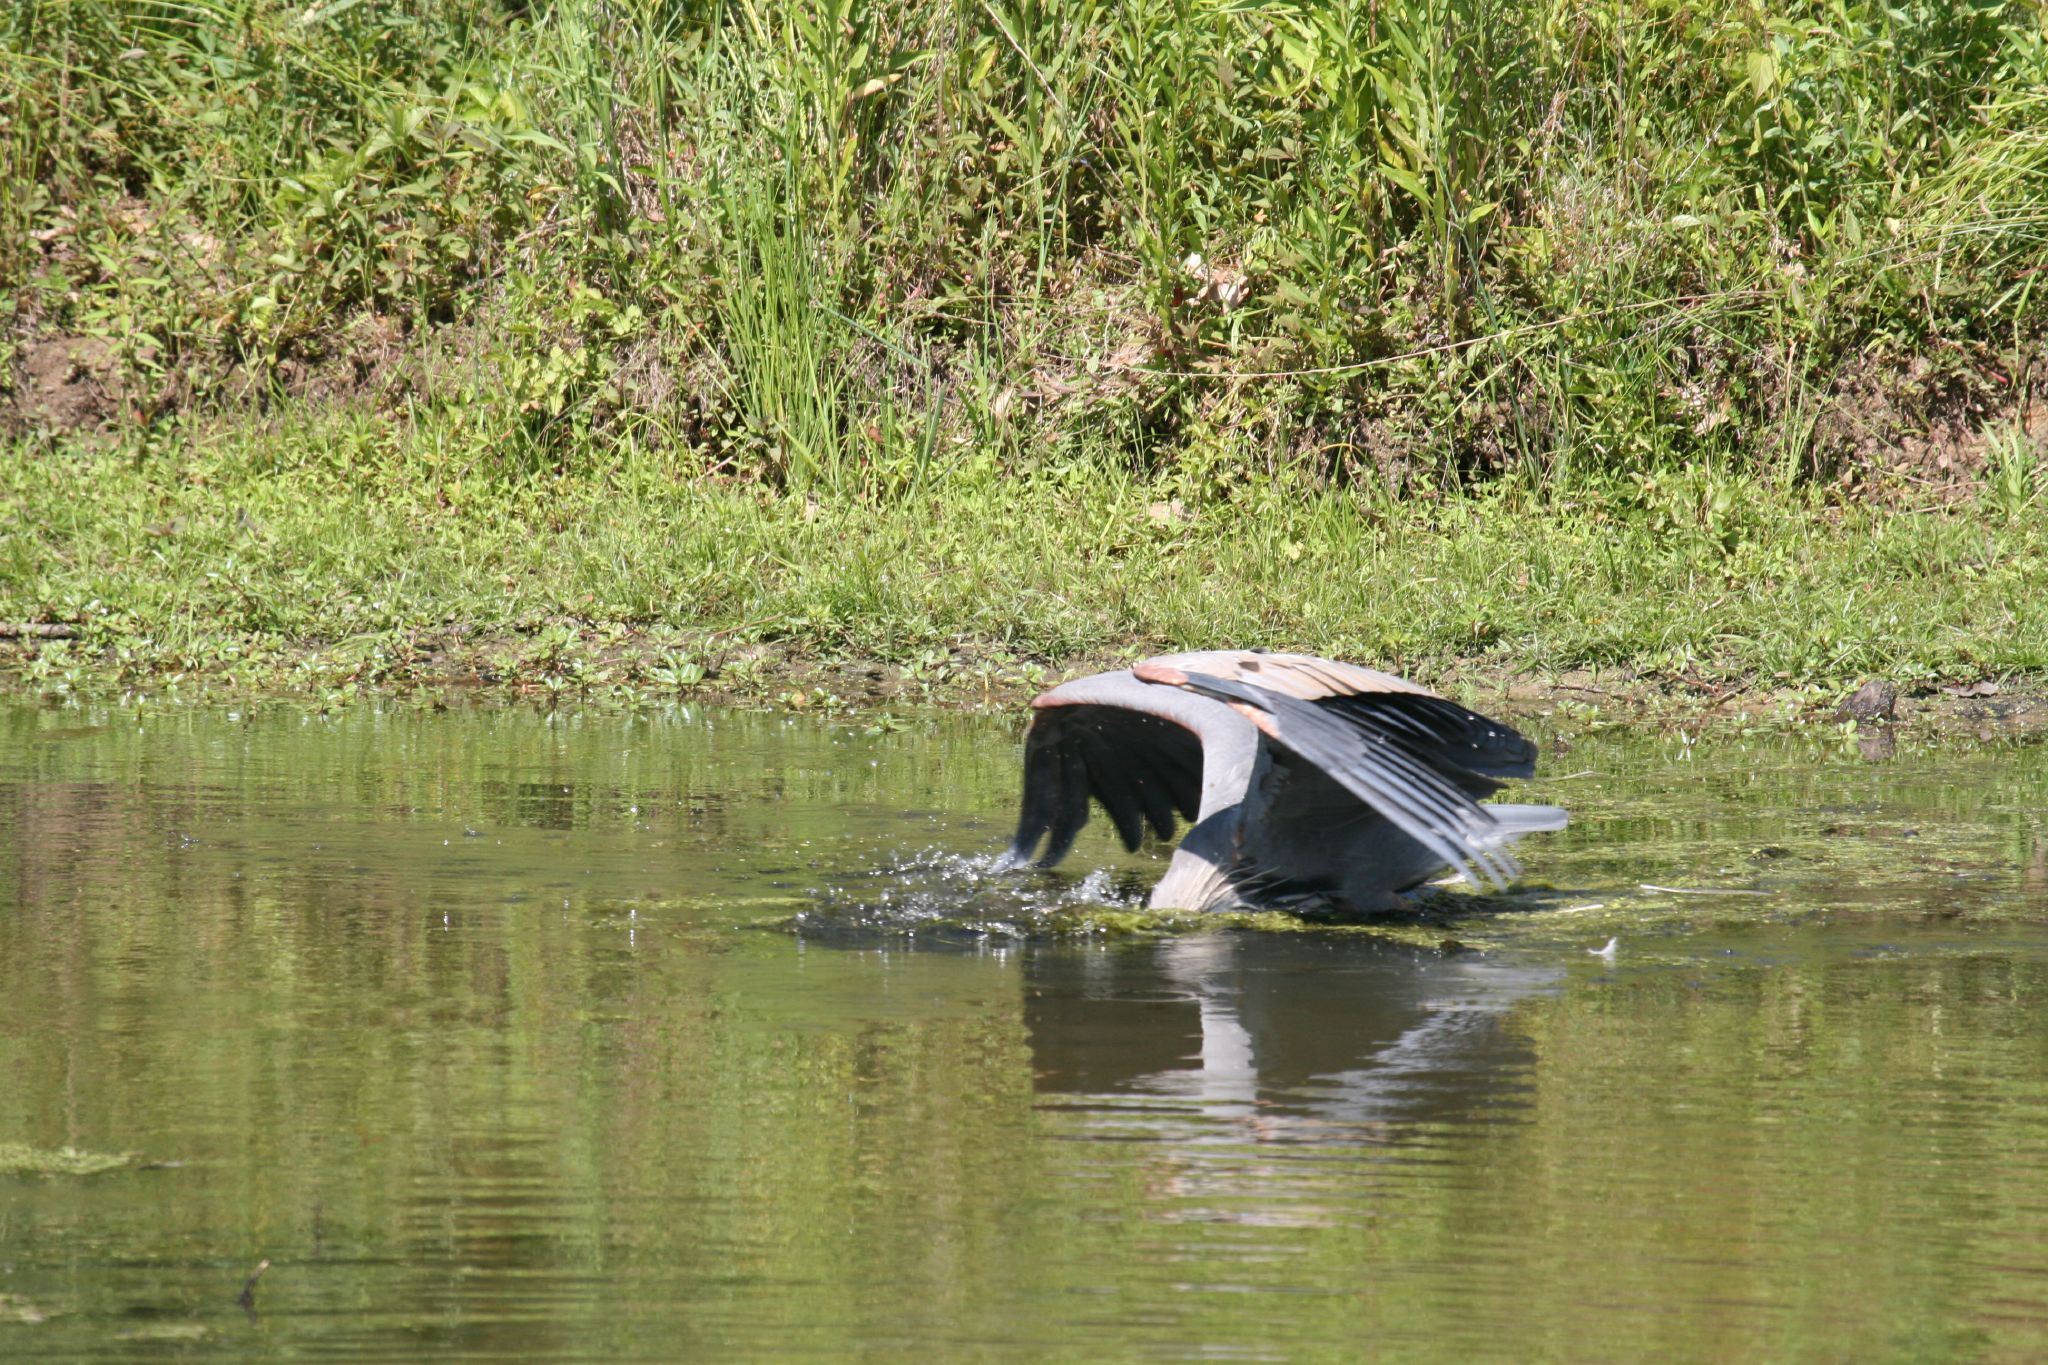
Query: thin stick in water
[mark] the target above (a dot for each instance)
(247, 1298)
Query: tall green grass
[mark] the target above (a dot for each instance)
(850, 247)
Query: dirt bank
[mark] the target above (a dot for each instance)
(611, 664)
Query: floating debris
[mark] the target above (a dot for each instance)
(18, 1158)
(166, 1331)
(247, 1298)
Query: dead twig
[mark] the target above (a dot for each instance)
(247, 1298)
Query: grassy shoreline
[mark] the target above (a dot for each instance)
(333, 555)
(634, 348)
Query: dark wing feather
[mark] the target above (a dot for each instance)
(1044, 786)
(1142, 769)
(1114, 785)
(1443, 732)
(1175, 767)
(1378, 767)
(1070, 806)
(1157, 798)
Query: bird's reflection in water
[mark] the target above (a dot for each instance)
(1278, 1037)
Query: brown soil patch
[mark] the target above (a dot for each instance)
(1922, 425)
(69, 385)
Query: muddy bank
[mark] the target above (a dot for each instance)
(631, 666)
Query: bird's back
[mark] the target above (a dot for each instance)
(1303, 676)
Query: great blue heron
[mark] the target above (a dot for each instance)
(1305, 780)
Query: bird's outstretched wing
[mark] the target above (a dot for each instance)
(1376, 760)
(1137, 749)
(1439, 730)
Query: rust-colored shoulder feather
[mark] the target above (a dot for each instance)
(1302, 676)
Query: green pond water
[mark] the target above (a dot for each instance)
(710, 1035)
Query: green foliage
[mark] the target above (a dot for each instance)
(339, 553)
(2016, 474)
(871, 245)
(788, 353)
(402, 220)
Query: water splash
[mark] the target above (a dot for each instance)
(966, 897)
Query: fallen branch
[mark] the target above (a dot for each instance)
(37, 630)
